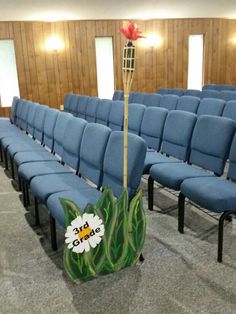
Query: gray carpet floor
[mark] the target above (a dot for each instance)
(180, 273)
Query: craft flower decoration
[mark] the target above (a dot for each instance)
(84, 232)
(131, 31)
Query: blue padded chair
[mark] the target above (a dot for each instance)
(169, 102)
(228, 95)
(118, 95)
(67, 99)
(135, 116)
(210, 145)
(193, 92)
(152, 126)
(163, 91)
(136, 97)
(31, 117)
(73, 104)
(230, 110)
(103, 111)
(5, 122)
(113, 176)
(91, 110)
(116, 115)
(211, 106)
(210, 94)
(216, 194)
(171, 91)
(82, 106)
(188, 103)
(176, 139)
(18, 112)
(49, 125)
(210, 87)
(91, 166)
(151, 100)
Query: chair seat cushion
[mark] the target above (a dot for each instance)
(15, 139)
(43, 186)
(153, 158)
(171, 175)
(30, 170)
(23, 157)
(80, 198)
(24, 147)
(214, 193)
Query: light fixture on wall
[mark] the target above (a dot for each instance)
(153, 40)
(54, 44)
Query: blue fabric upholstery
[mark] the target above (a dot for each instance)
(49, 125)
(228, 95)
(153, 158)
(116, 115)
(151, 100)
(209, 87)
(211, 141)
(73, 105)
(82, 106)
(232, 160)
(136, 97)
(230, 110)
(169, 102)
(18, 112)
(81, 198)
(63, 120)
(24, 146)
(103, 111)
(72, 142)
(210, 94)
(177, 134)
(171, 91)
(23, 115)
(31, 117)
(67, 99)
(193, 92)
(188, 103)
(92, 152)
(135, 116)
(40, 116)
(13, 109)
(118, 95)
(152, 126)
(91, 110)
(211, 106)
(113, 163)
(34, 156)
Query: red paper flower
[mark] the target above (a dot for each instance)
(131, 32)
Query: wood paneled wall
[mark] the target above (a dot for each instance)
(46, 76)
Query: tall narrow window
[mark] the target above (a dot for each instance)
(105, 68)
(9, 86)
(195, 61)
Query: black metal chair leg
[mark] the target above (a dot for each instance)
(19, 181)
(1, 155)
(27, 194)
(141, 258)
(150, 193)
(181, 209)
(53, 233)
(12, 169)
(224, 216)
(36, 209)
(5, 159)
(23, 194)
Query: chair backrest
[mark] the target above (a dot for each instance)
(169, 102)
(72, 142)
(73, 105)
(48, 128)
(39, 119)
(113, 162)
(92, 152)
(188, 103)
(13, 109)
(30, 118)
(232, 160)
(177, 134)
(211, 141)
(209, 87)
(136, 97)
(116, 115)
(151, 100)
(210, 94)
(230, 110)
(152, 126)
(24, 114)
(82, 106)
(228, 95)
(103, 111)
(211, 106)
(118, 95)
(92, 109)
(67, 99)
(193, 92)
(135, 117)
(63, 119)
(171, 91)
(19, 108)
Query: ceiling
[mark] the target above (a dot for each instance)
(53, 10)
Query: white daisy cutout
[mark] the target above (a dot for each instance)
(84, 232)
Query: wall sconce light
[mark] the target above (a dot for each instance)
(234, 40)
(54, 43)
(153, 40)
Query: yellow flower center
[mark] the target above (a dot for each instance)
(84, 232)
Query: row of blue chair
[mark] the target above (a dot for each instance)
(219, 87)
(110, 112)
(64, 165)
